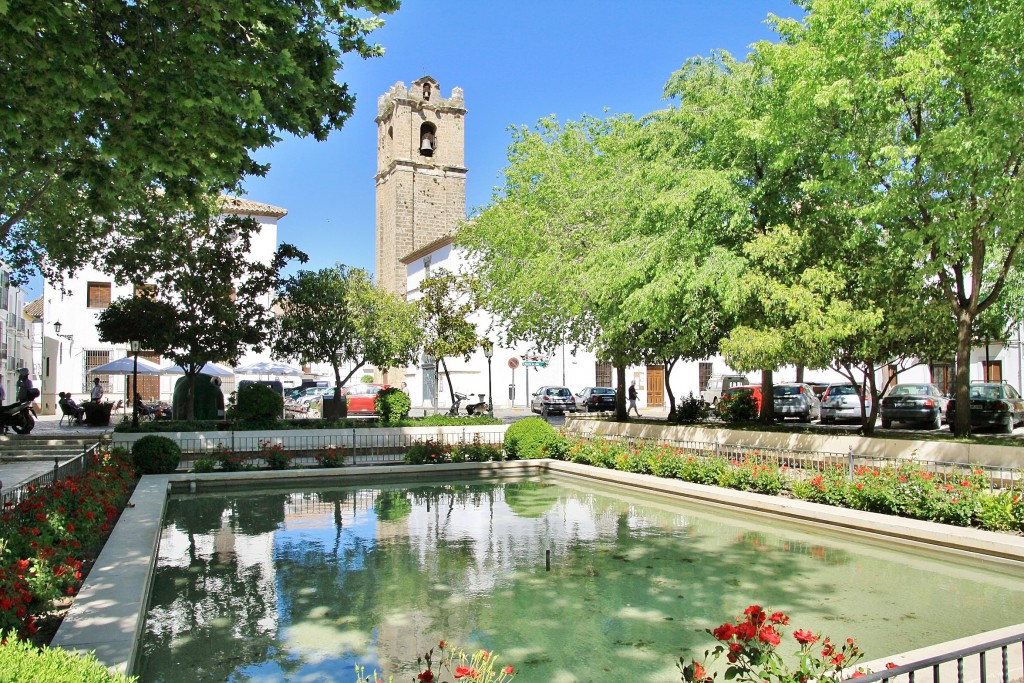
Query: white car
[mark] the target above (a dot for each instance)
(842, 402)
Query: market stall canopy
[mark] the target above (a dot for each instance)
(126, 366)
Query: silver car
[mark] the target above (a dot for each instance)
(795, 400)
(842, 402)
(548, 400)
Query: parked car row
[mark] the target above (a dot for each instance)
(361, 399)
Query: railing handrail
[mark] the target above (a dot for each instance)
(78, 462)
(958, 655)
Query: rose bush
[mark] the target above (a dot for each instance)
(480, 667)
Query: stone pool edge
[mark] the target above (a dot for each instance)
(108, 614)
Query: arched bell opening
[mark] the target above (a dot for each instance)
(428, 139)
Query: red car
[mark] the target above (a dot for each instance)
(361, 398)
(754, 389)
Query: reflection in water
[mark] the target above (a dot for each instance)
(303, 586)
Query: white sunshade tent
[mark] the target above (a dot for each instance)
(266, 367)
(211, 369)
(126, 366)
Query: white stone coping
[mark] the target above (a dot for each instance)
(108, 615)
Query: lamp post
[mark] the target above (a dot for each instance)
(489, 353)
(135, 345)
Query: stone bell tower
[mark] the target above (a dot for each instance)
(421, 173)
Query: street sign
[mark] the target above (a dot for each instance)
(513, 362)
(535, 363)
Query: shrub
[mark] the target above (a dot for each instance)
(257, 405)
(392, 405)
(22, 661)
(738, 407)
(423, 452)
(529, 438)
(331, 457)
(1000, 512)
(477, 451)
(155, 454)
(690, 410)
(276, 457)
(204, 465)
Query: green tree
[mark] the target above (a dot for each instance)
(445, 306)
(113, 108)
(221, 296)
(338, 316)
(914, 111)
(150, 321)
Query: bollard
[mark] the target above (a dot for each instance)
(547, 560)
(850, 461)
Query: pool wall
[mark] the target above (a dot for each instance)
(108, 615)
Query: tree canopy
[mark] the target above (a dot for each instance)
(111, 109)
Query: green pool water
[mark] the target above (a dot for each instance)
(566, 582)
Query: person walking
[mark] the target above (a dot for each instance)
(631, 395)
(97, 391)
(26, 390)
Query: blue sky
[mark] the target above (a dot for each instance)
(517, 62)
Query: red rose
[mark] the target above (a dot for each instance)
(427, 675)
(805, 637)
(778, 618)
(769, 635)
(465, 672)
(724, 632)
(508, 670)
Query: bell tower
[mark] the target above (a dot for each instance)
(421, 173)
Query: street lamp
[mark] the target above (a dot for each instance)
(135, 345)
(489, 353)
(56, 330)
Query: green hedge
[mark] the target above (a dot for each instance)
(154, 454)
(20, 661)
(529, 438)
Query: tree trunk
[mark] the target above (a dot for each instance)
(334, 412)
(867, 423)
(767, 416)
(962, 418)
(669, 364)
(448, 378)
(190, 399)
(620, 394)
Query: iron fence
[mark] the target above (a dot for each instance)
(79, 464)
(983, 663)
(809, 463)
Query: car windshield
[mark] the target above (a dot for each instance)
(842, 391)
(787, 391)
(985, 392)
(559, 391)
(911, 390)
(603, 391)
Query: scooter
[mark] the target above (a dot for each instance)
(18, 416)
(479, 408)
(454, 410)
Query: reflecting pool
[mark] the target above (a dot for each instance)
(566, 582)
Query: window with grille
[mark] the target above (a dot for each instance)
(98, 295)
(94, 359)
(703, 375)
(603, 372)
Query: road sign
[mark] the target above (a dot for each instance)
(513, 362)
(535, 363)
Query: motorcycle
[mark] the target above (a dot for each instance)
(479, 408)
(18, 416)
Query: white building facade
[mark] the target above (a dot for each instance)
(15, 334)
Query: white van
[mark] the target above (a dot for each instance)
(719, 383)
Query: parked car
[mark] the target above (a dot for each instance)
(842, 402)
(547, 400)
(795, 400)
(718, 384)
(918, 403)
(362, 398)
(993, 404)
(750, 389)
(593, 399)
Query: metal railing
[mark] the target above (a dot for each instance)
(983, 663)
(77, 465)
(998, 477)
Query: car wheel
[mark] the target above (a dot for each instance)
(826, 420)
(937, 422)
(1008, 426)
(886, 423)
(544, 412)
(806, 417)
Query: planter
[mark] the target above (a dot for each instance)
(97, 414)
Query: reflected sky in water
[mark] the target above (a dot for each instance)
(566, 582)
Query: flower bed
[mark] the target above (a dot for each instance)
(904, 489)
(45, 537)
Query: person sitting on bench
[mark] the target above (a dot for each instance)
(69, 407)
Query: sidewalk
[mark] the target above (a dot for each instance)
(25, 457)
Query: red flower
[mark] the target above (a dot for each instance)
(724, 632)
(769, 635)
(441, 645)
(746, 631)
(857, 674)
(805, 637)
(753, 610)
(508, 670)
(427, 675)
(891, 665)
(485, 654)
(778, 618)
(465, 672)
